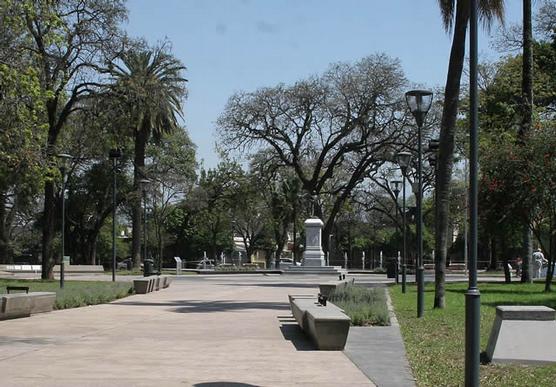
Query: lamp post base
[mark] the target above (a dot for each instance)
(420, 277)
(404, 277)
(62, 274)
(472, 336)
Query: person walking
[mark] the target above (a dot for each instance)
(539, 259)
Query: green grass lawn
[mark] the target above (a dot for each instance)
(435, 343)
(75, 293)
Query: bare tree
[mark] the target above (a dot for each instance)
(330, 129)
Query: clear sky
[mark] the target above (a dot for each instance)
(233, 45)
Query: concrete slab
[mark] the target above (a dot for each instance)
(195, 333)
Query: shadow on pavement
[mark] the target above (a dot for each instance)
(193, 306)
(292, 332)
(224, 384)
(7, 340)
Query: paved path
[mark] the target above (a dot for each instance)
(202, 331)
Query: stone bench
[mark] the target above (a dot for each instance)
(15, 306)
(142, 285)
(328, 326)
(42, 302)
(24, 304)
(327, 288)
(523, 335)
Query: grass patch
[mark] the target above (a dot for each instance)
(365, 306)
(75, 293)
(435, 343)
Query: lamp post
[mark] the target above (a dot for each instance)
(114, 154)
(404, 159)
(64, 159)
(144, 183)
(473, 296)
(419, 103)
(395, 186)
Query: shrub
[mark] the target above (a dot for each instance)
(365, 306)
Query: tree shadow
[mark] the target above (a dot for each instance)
(199, 306)
(277, 285)
(7, 340)
(224, 384)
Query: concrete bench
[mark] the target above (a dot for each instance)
(523, 335)
(142, 286)
(15, 306)
(328, 326)
(327, 288)
(42, 302)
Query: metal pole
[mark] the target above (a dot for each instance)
(420, 268)
(63, 227)
(473, 296)
(113, 219)
(144, 226)
(404, 256)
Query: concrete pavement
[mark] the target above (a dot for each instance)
(202, 331)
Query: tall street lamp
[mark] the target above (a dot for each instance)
(419, 103)
(404, 159)
(395, 185)
(64, 160)
(473, 296)
(114, 154)
(144, 184)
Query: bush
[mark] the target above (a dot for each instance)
(365, 306)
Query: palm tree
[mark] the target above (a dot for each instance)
(455, 15)
(149, 84)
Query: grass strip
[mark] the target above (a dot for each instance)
(75, 293)
(435, 343)
(365, 306)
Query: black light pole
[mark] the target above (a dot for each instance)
(144, 183)
(419, 103)
(473, 296)
(396, 185)
(114, 154)
(404, 159)
(64, 159)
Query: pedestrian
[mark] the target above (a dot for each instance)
(539, 259)
(518, 264)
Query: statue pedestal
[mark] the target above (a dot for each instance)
(313, 256)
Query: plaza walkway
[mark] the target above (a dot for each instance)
(202, 331)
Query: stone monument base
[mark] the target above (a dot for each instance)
(321, 270)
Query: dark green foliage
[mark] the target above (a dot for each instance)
(364, 306)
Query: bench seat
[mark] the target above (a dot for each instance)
(328, 326)
(15, 306)
(42, 302)
(327, 288)
(142, 285)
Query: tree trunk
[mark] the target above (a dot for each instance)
(6, 255)
(446, 148)
(552, 246)
(527, 251)
(525, 128)
(136, 210)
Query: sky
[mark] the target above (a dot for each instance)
(241, 45)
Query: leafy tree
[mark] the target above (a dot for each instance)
(149, 83)
(67, 40)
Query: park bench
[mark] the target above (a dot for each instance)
(18, 288)
(142, 286)
(523, 334)
(328, 326)
(327, 288)
(17, 305)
